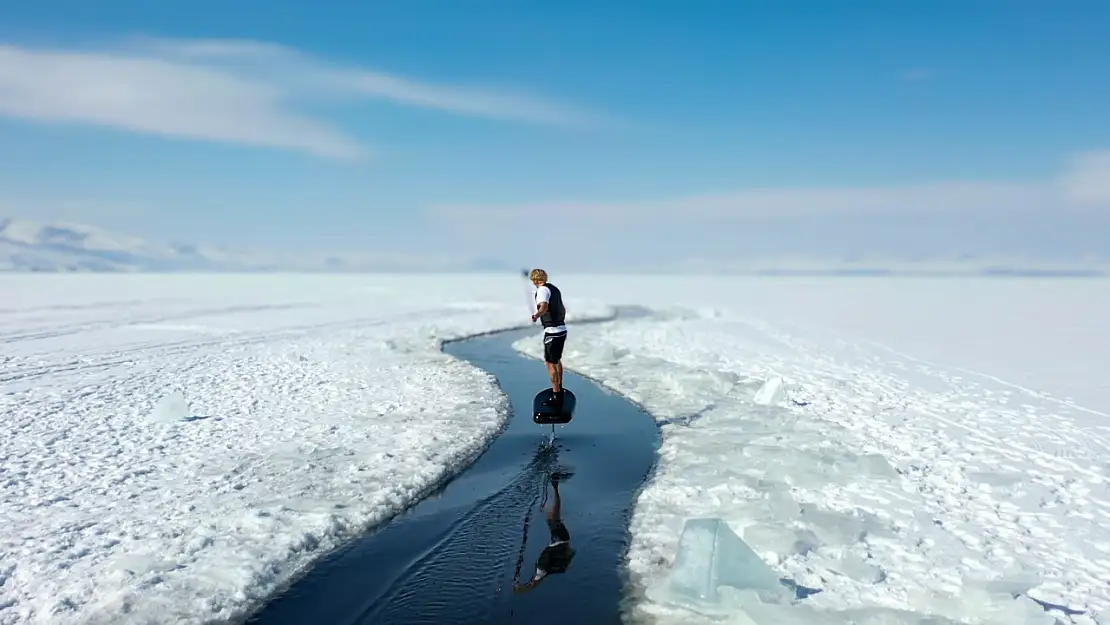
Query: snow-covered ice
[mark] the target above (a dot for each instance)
(920, 451)
(175, 448)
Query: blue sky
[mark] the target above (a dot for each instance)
(570, 134)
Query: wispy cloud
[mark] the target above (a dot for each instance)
(1087, 182)
(952, 197)
(158, 96)
(311, 75)
(1083, 184)
(1058, 216)
(230, 91)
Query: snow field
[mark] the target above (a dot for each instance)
(177, 448)
(906, 491)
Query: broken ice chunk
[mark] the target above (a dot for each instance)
(171, 408)
(710, 555)
(772, 393)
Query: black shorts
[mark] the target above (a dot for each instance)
(553, 346)
(559, 532)
(556, 557)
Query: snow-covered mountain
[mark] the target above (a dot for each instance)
(68, 247)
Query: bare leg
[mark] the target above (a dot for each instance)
(556, 506)
(555, 372)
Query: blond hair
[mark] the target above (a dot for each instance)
(538, 274)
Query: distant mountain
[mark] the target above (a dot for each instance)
(68, 247)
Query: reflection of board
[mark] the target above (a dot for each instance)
(545, 414)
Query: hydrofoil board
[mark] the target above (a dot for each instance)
(545, 414)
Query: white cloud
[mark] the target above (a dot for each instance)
(228, 91)
(1058, 216)
(1085, 183)
(157, 96)
(950, 197)
(312, 75)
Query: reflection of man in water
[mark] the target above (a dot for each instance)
(556, 557)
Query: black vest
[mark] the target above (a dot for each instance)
(555, 558)
(555, 315)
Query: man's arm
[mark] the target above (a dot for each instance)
(540, 310)
(543, 295)
(530, 584)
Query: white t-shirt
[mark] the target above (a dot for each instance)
(543, 294)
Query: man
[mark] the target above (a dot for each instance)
(552, 313)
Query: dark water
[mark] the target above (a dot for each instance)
(455, 557)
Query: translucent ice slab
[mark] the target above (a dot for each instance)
(710, 559)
